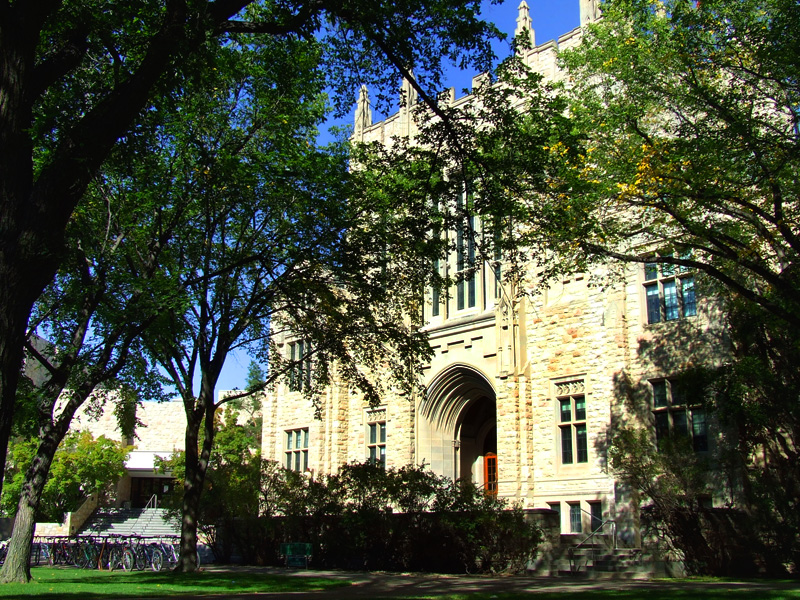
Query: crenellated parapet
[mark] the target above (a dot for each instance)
(541, 59)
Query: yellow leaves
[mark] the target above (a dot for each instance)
(557, 149)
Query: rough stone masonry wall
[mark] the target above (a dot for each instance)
(576, 333)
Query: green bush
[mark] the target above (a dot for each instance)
(365, 517)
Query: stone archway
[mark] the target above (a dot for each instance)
(457, 426)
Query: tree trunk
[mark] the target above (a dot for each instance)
(192, 484)
(17, 564)
(11, 341)
(16, 567)
(18, 292)
(20, 270)
(194, 479)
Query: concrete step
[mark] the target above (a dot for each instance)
(591, 574)
(131, 521)
(622, 563)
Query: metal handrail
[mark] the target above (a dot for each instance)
(597, 530)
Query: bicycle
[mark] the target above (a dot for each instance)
(40, 552)
(140, 555)
(85, 553)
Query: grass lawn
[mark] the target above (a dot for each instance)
(69, 583)
(74, 584)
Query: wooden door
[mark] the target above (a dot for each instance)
(490, 473)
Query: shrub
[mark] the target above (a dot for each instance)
(365, 517)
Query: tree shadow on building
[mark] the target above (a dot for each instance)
(676, 460)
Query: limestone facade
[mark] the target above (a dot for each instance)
(161, 433)
(514, 385)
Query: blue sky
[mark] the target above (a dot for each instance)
(551, 18)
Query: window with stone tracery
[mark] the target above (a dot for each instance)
(572, 432)
(376, 437)
(296, 452)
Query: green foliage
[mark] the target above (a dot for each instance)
(363, 516)
(142, 121)
(232, 482)
(681, 136)
(368, 517)
(487, 159)
(82, 466)
(256, 377)
(756, 402)
(675, 485)
(686, 121)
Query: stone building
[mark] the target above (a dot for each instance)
(161, 432)
(521, 393)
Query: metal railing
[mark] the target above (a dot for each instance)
(574, 564)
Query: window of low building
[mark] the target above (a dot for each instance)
(575, 517)
(556, 506)
(596, 512)
(376, 437)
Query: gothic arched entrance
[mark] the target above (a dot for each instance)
(457, 427)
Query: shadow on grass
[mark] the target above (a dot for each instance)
(71, 584)
(643, 592)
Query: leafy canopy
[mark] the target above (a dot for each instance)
(81, 466)
(686, 115)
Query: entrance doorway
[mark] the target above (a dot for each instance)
(458, 427)
(477, 434)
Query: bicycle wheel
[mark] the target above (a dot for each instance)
(73, 555)
(80, 556)
(141, 558)
(128, 559)
(115, 559)
(156, 558)
(92, 555)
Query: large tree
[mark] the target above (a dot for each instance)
(677, 142)
(684, 150)
(83, 341)
(687, 144)
(269, 234)
(78, 75)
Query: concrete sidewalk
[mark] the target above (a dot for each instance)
(399, 585)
